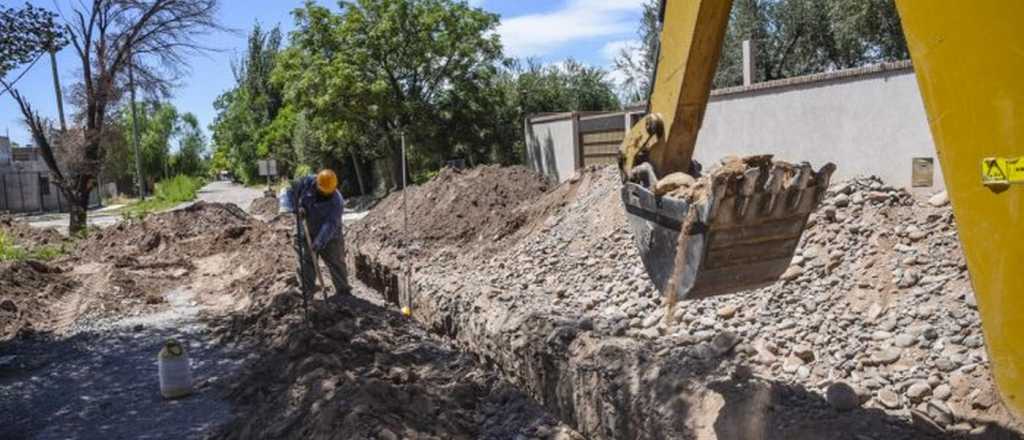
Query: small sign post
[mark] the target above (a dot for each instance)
(267, 168)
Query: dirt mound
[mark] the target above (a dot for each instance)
(25, 235)
(264, 206)
(28, 291)
(361, 370)
(878, 298)
(475, 206)
(199, 230)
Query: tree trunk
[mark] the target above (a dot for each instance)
(78, 204)
(396, 165)
(359, 173)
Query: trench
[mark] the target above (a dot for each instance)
(618, 387)
(600, 385)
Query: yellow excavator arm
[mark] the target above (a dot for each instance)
(737, 227)
(969, 61)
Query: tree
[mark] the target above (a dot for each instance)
(791, 37)
(246, 112)
(636, 64)
(191, 147)
(25, 34)
(153, 38)
(382, 67)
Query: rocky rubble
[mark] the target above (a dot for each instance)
(876, 312)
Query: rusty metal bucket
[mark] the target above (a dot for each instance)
(741, 236)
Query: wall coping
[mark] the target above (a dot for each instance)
(895, 66)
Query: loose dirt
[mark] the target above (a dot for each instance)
(872, 333)
(224, 282)
(264, 206)
(25, 235)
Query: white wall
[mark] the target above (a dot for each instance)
(551, 145)
(865, 124)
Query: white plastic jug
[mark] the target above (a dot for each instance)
(175, 370)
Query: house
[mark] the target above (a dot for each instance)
(25, 184)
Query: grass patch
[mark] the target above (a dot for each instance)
(10, 251)
(169, 193)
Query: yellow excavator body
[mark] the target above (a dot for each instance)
(737, 228)
(969, 61)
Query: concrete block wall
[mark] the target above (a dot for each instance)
(868, 121)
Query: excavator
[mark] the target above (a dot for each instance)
(737, 227)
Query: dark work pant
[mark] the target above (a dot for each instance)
(333, 255)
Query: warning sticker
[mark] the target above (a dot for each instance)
(1002, 171)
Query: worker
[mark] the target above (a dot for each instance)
(318, 207)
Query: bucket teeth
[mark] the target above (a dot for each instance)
(774, 186)
(749, 217)
(747, 186)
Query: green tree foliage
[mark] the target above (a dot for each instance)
(190, 158)
(161, 128)
(791, 37)
(245, 113)
(352, 80)
(381, 67)
(26, 33)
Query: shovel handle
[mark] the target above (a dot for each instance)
(309, 245)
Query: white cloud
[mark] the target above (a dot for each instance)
(611, 49)
(539, 34)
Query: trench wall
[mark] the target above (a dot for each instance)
(603, 386)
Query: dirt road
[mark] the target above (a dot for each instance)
(102, 382)
(99, 378)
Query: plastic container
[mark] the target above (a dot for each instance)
(284, 201)
(175, 370)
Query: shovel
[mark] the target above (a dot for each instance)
(316, 263)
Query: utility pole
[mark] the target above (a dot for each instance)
(135, 130)
(56, 88)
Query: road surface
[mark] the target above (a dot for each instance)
(227, 192)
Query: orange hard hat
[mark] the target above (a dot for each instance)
(326, 182)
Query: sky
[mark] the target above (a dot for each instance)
(591, 31)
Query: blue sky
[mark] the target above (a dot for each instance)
(591, 31)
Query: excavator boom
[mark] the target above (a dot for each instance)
(969, 61)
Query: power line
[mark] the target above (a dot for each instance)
(9, 87)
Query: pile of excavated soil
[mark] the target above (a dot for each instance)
(877, 303)
(264, 206)
(25, 235)
(28, 290)
(360, 372)
(199, 230)
(365, 372)
(473, 207)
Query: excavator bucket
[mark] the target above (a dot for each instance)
(734, 229)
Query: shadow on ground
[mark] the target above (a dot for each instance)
(366, 372)
(104, 384)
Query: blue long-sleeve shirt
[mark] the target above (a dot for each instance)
(322, 213)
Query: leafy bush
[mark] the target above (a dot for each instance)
(168, 193)
(180, 188)
(303, 170)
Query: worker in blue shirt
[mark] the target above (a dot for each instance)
(317, 202)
